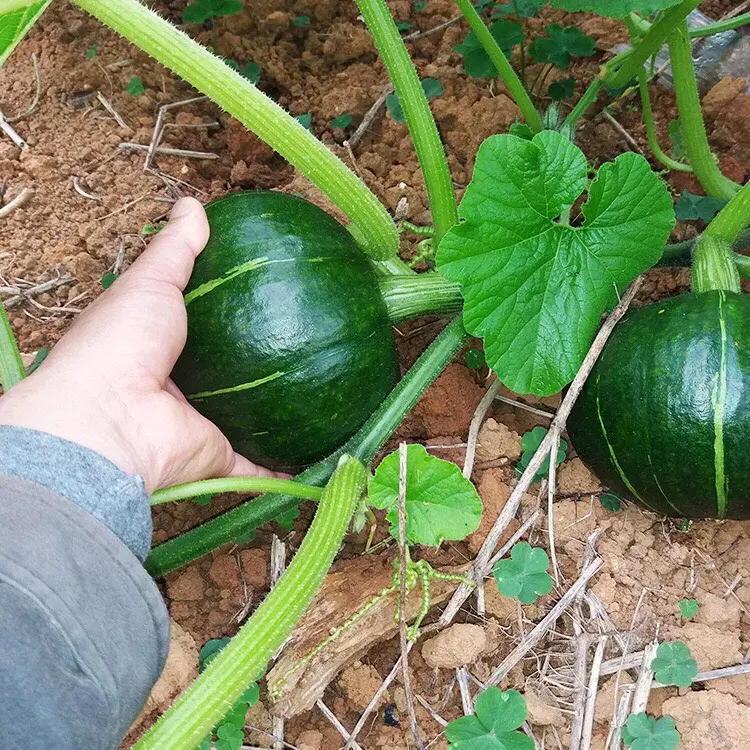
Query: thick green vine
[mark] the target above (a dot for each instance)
(244, 659)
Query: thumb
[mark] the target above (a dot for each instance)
(171, 255)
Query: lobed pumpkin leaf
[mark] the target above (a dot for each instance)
(534, 286)
(440, 502)
(614, 8)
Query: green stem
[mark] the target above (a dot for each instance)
(720, 26)
(12, 370)
(419, 119)
(582, 105)
(689, 108)
(648, 113)
(653, 140)
(681, 253)
(521, 47)
(733, 219)
(500, 61)
(364, 445)
(371, 223)
(427, 293)
(714, 28)
(235, 484)
(246, 656)
(714, 266)
(651, 43)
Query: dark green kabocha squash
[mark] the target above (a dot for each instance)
(664, 418)
(289, 346)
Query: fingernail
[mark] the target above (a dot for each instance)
(182, 208)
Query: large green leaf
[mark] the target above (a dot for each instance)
(16, 18)
(535, 287)
(440, 502)
(614, 8)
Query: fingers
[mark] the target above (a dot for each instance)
(171, 255)
(244, 468)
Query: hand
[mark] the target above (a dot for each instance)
(106, 384)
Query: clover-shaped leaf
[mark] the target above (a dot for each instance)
(611, 502)
(524, 575)
(561, 45)
(535, 287)
(210, 650)
(522, 8)
(477, 62)
(230, 737)
(614, 8)
(562, 89)
(643, 732)
(530, 442)
(498, 715)
(440, 502)
(691, 207)
(674, 665)
(688, 608)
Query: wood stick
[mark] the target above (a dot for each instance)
(476, 424)
(20, 200)
(645, 679)
(11, 133)
(479, 569)
(340, 728)
(593, 688)
(370, 115)
(544, 625)
(403, 593)
(579, 684)
(165, 151)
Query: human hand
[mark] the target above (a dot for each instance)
(106, 384)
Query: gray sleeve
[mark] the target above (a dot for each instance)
(85, 478)
(83, 628)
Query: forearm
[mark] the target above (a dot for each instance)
(84, 629)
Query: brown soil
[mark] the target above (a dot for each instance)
(326, 69)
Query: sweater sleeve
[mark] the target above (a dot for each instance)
(84, 630)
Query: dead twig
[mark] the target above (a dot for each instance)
(479, 569)
(367, 120)
(35, 101)
(11, 133)
(583, 641)
(185, 153)
(552, 476)
(621, 130)
(340, 728)
(525, 407)
(20, 200)
(77, 187)
(593, 688)
(430, 710)
(645, 679)
(476, 424)
(112, 111)
(462, 678)
(278, 565)
(20, 293)
(121, 209)
(159, 127)
(403, 593)
(536, 635)
(421, 34)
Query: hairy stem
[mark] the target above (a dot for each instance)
(364, 445)
(244, 659)
(500, 61)
(235, 484)
(720, 26)
(681, 254)
(651, 43)
(411, 296)
(714, 265)
(371, 224)
(689, 107)
(12, 370)
(419, 119)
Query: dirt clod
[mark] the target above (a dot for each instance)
(455, 646)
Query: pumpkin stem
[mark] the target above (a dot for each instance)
(420, 294)
(715, 266)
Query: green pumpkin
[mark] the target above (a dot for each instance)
(289, 346)
(664, 418)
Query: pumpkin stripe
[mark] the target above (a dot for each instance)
(616, 463)
(236, 388)
(718, 402)
(242, 268)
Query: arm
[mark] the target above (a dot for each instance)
(83, 442)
